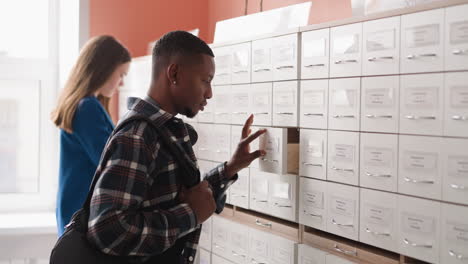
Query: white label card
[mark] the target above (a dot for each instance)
(285, 53)
(378, 215)
(260, 186)
(344, 97)
(344, 153)
(459, 32)
(414, 160)
(222, 100)
(422, 36)
(378, 157)
(417, 224)
(306, 260)
(261, 56)
(240, 100)
(313, 98)
(422, 97)
(261, 99)
(458, 166)
(241, 59)
(457, 233)
(343, 206)
(379, 98)
(314, 148)
(347, 44)
(459, 96)
(223, 61)
(281, 255)
(381, 40)
(313, 199)
(259, 246)
(315, 48)
(285, 98)
(282, 190)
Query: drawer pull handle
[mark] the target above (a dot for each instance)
(218, 246)
(460, 118)
(204, 113)
(408, 242)
(268, 160)
(412, 117)
(458, 187)
(418, 181)
(459, 52)
(313, 114)
(456, 255)
(314, 215)
(380, 58)
(379, 116)
(314, 65)
(346, 252)
(222, 74)
(378, 175)
(345, 61)
(253, 261)
(344, 116)
(425, 55)
(239, 113)
(221, 113)
(202, 149)
(283, 206)
(285, 67)
(241, 71)
(259, 223)
(262, 70)
(375, 233)
(346, 170)
(261, 113)
(238, 195)
(284, 113)
(235, 254)
(343, 225)
(259, 201)
(312, 164)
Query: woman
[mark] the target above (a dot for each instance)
(82, 114)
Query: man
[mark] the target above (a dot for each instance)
(140, 207)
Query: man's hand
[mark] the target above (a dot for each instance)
(200, 199)
(242, 157)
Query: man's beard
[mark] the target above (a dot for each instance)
(189, 113)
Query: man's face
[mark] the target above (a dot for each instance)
(193, 89)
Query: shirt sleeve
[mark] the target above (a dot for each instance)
(220, 182)
(119, 223)
(91, 128)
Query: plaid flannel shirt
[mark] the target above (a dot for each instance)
(135, 209)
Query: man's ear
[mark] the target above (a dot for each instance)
(172, 73)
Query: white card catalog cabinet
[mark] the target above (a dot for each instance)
(419, 228)
(455, 174)
(282, 151)
(381, 46)
(315, 54)
(239, 191)
(421, 104)
(240, 68)
(262, 68)
(456, 38)
(454, 249)
(313, 111)
(259, 190)
(420, 166)
(456, 104)
(380, 104)
(379, 161)
(343, 157)
(240, 103)
(285, 104)
(344, 104)
(284, 55)
(313, 153)
(262, 103)
(343, 210)
(222, 104)
(220, 142)
(346, 50)
(223, 62)
(313, 203)
(422, 41)
(283, 196)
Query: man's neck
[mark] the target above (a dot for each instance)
(162, 98)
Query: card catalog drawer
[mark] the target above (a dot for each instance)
(379, 161)
(310, 255)
(344, 104)
(455, 176)
(282, 251)
(222, 104)
(420, 166)
(454, 248)
(419, 235)
(208, 113)
(240, 103)
(285, 57)
(259, 246)
(378, 219)
(206, 234)
(221, 237)
(239, 191)
(343, 157)
(343, 210)
(262, 69)
(315, 54)
(312, 203)
(421, 107)
(239, 243)
(223, 61)
(282, 151)
(240, 70)
(313, 153)
(456, 39)
(314, 104)
(204, 257)
(380, 104)
(221, 143)
(381, 52)
(259, 190)
(422, 41)
(346, 50)
(283, 196)
(204, 143)
(262, 103)
(285, 104)
(456, 104)
(332, 259)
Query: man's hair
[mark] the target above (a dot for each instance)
(177, 43)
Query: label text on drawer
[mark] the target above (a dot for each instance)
(459, 96)
(342, 206)
(380, 97)
(378, 215)
(420, 160)
(457, 233)
(313, 199)
(381, 157)
(422, 97)
(421, 36)
(314, 98)
(458, 166)
(417, 224)
(381, 40)
(344, 153)
(459, 32)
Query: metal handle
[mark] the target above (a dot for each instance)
(457, 255)
(253, 261)
(408, 242)
(345, 61)
(314, 215)
(339, 169)
(262, 70)
(283, 206)
(222, 74)
(259, 223)
(460, 118)
(415, 56)
(202, 149)
(344, 116)
(378, 175)
(460, 52)
(203, 113)
(261, 113)
(238, 195)
(379, 116)
(268, 160)
(241, 71)
(418, 181)
(375, 233)
(458, 187)
(343, 225)
(284, 113)
(413, 117)
(235, 254)
(314, 65)
(346, 252)
(285, 67)
(380, 58)
(239, 113)
(221, 113)
(218, 246)
(312, 164)
(313, 114)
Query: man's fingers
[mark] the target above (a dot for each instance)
(252, 137)
(247, 124)
(256, 154)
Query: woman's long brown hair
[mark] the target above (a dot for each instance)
(98, 59)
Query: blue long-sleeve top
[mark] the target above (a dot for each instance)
(80, 152)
